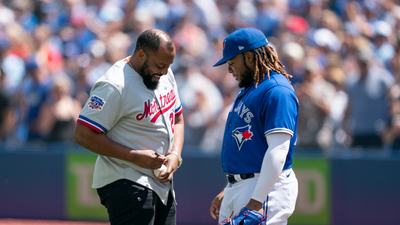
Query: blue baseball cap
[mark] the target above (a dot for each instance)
(242, 40)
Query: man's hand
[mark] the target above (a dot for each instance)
(147, 159)
(255, 205)
(246, 216)
(171, 161)
(216, 205)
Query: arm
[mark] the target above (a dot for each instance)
(8, 122)
(345, 124)
(101, 144)
(172, 160)
(179, 134)
(216, 204)
(305, 91)
(274, 160)
(45, 121)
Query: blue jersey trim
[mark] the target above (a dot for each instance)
(265, 206)
(282, 130)
(178, 109)
(93, 123)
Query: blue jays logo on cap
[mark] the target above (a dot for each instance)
(242, 134)
(96, 103)
(242, 40)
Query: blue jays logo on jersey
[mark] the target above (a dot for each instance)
(96, 103)
(242, 134)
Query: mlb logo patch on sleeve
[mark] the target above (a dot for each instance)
(96, 103)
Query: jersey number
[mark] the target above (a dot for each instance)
(171, 118)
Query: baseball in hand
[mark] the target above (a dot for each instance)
(157, 172)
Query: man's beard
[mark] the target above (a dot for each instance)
(247, 78)
(147, 77)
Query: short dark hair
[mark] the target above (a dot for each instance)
(149, 41)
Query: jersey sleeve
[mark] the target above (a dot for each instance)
(280, 108)
(178, 104)
(103, 108)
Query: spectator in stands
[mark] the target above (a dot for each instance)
(140, 20)
(392, 133)
(23, 11)
(7, 120)
(336, 76)
(48, 53)
(391, 136)
(382, 48)
(270, 15)
(81, 38)
(368, 101)
(315, 96)
(7, 15)
(293, 59)
(31, 95)
(57, 116)
(201, 99)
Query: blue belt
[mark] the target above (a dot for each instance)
(231, 177)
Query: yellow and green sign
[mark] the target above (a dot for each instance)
(313, 204)
(83, 203)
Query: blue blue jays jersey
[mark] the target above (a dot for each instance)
(269, 108)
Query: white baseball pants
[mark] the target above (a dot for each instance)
(278, 206)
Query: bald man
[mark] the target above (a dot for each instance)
(133, 120)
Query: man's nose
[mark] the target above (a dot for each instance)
(164, 71)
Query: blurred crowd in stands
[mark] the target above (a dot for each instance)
(344, 56)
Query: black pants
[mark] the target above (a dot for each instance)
(129, 203)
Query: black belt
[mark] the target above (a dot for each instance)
(231, 178)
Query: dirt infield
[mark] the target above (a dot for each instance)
(47, 222)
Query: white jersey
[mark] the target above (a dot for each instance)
(122, 107)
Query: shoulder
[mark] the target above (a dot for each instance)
(115, 77)
(170, 75)
(324, 87)
(277, 90)
(277, 83)
(378, 74)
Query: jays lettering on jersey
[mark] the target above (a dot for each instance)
(257, 112)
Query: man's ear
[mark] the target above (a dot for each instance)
(142, 56)
(249, 58)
